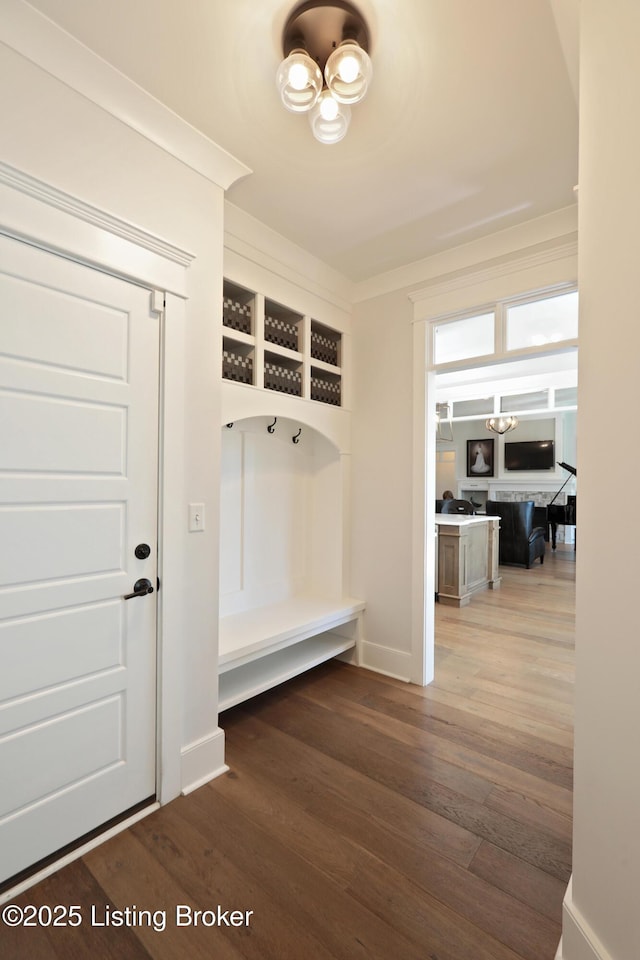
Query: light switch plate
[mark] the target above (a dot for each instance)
(196, 517)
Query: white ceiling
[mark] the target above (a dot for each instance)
(470, 125)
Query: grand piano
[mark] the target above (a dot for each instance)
(564, 513)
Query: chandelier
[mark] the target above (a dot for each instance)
(326, 67)
(501, 425)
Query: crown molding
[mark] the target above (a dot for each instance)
(51, 48)
(260, 244)
(550, 251)
(458, 260)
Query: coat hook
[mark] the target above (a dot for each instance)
(272, 426)
(296, 439)
(229, 425)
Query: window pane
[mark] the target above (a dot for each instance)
(567, 397)
(462, 339)
(524, 401)
(543, 321)
(469, 408)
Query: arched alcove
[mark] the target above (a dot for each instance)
(283, 606)
(281, 514)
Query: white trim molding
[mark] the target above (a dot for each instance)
(80, 210)
(202, 761)
(392, 663)
(579, 941)
(53, 220)
(257, 243)
(44, 43)
(469, 257)
(559, 248)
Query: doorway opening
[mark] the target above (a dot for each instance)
(517, 358)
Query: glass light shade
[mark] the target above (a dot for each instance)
(348, 72)
(501, 425)
(329, 119)
(299, 81)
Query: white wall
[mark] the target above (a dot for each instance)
(602, 919)
(382, 478)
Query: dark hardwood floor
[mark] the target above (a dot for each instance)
(363, 817)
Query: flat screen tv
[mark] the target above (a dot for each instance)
(529, 455)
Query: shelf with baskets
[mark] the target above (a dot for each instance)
(238, 307)
(325, 345)
(282, 326)
(273, 347)
(282, 374)
(237, 361)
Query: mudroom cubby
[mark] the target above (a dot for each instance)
(237, 360)
(325, 386)
(282, 326)
(289, 351)
(283, 608)
(238, 307)
(325, 344)
(282, 374)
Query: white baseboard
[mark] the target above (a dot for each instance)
(202, 761)
(393, 663)
(579, 941)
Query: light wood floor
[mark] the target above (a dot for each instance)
(364, 817)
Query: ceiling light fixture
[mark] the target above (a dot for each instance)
(501, 425)
(329, 119)
(326, 66)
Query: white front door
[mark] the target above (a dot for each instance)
(79, 354)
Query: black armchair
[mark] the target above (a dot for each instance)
(457, 506)
(520, 542)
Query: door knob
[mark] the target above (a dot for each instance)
(140, 589)
(142, 551)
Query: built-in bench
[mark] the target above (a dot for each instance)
(265, 646)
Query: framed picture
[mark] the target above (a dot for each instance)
(480, 458)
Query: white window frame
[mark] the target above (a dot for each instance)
(499, 309)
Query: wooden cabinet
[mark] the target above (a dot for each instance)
(467, 557)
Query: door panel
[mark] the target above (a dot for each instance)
(54, 426)
(88, 337)
(80, 742)
(26, 643)
(67, 541)
(78, 490)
